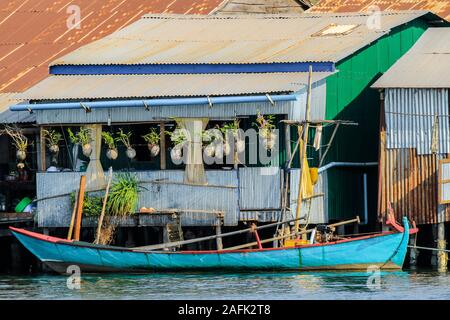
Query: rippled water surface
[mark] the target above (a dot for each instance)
(276, 285)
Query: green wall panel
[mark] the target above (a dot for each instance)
(349, 97)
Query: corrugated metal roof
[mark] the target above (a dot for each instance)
(171, 85)
(425, 65)
(33, 33)
(261, 7)
(7, 116)
(166, 39)
(438, 7)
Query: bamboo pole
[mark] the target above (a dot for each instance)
(296, 233)
(180, 243)
(80, 202)
(303, 151)
(72, 220)
(105, 200)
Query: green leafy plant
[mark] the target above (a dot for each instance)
(52, 137)
(232, 127)
(265, 122)
(20, 141)
(123, 195)
(83, 136)
(178, 136)
(124, 138)
(152, 137)
(92, 205)
(109, 140)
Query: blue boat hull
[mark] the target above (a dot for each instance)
(386, 250)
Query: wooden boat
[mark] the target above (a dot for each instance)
(386, 250)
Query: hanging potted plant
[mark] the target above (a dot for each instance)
(20, 141)
(232, 127)
(152, 138)
(266, 130)
(83, 138)
(53, 138)
(125, 139)
(178, 137)
(210, 140)
(110, 141)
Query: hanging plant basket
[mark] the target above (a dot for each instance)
(176, 154)
(240, 145)
(112, 154)
(154, 149)
(20, 165)
(131, 153)
(152, 138)
(53, 138)
(210, 150)
(87, 149)
(21, 155)
(226, 148)
(54, 149)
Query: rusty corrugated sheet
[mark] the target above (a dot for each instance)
(425, 65)
(168, 85)
(166, 39)
(409, 183)
(260, 7)
(33, 33)
(408, 179)
(439, 7)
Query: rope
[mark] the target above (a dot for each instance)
(426, 248)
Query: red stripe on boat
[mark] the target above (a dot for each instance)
(39, 235)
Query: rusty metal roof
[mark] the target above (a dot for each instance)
(425, 65)
(33, 33)
(171, 39)
(261, 7)
(438, 7)
(169, 85)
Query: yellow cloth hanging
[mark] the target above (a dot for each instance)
(307, 184)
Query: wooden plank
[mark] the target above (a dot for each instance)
(79, 215)
(162, 145)
(42, 150)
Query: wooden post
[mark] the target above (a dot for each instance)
(302, 152)
(80, 202)
(219, 232)
(162, 145)
(413, 252)
(72, 220)
(102, 215)
(442, 256)
(43, 165)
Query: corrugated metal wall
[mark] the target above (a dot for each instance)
(168, 194)
(257, 191)
(408, 169)
(260, 188)
(349, 97)
(411, 115)
(219, 111)
(409, 182)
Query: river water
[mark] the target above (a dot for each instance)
(234, 286)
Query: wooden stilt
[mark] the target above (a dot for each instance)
(442, 256)
(219, 232)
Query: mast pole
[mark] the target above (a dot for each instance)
(302, 151)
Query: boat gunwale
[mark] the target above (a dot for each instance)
(83, 244)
